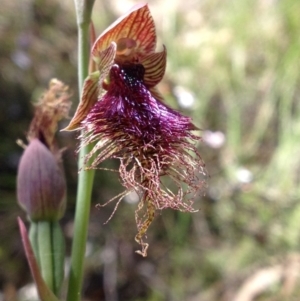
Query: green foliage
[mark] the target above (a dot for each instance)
(241, 61)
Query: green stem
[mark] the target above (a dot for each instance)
(86, 177)
(45, 253)
(48, 245)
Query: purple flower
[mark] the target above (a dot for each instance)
(123, 114)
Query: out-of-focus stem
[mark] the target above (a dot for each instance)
(86, 177)
(45, 253)
(48, 244)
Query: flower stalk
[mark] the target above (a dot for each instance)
(48, 243)
(85, 177)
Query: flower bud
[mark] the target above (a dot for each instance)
(41, 185)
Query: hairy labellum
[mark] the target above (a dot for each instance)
(150, 139)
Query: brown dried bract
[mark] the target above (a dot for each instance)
(53, 106)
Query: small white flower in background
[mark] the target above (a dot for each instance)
(21, 59)
(213, 139)
(244, 175)
(28, 292)
(184, 97)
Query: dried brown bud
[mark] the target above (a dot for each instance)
(53, 106)
(41, 185)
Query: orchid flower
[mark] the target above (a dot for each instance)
(123, 114)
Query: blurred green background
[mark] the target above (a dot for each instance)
(234, 67)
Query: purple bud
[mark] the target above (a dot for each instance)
(41, 185)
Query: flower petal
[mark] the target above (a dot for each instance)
(92, 86)
(105, 58)
(92, 65)
(136, 25)
(155, 67)
(88, 99)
